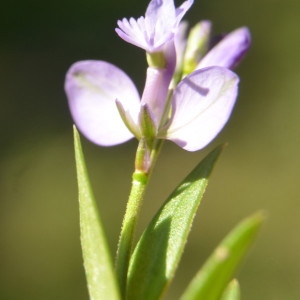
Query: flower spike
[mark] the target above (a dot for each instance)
(106, 106)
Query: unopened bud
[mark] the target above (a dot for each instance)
(197, 45)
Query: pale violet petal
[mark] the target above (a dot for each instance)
(133, 32)
(201, 104)
(229, 51)
(182, 9)
(160, 19)
(155, 92)
(92, 88)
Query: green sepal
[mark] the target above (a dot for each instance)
(156, 60)
(128, 121)
(97, 260)
(159, 250)
(147, 125)
(210, 282)
(232, 291)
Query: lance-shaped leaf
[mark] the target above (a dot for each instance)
(232, 292)
(210, 282)
(96, 256)
(159, 250)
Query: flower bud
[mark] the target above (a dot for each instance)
(197, 45)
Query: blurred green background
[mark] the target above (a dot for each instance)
(40, 256)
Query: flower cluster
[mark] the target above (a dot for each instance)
(190, 87)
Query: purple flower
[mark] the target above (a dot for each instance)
(200, 106)
(107, 108)
(157, 28)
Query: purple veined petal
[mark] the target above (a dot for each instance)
(133, 32)
(229, 51)
(92, 88)
(157, 28)
(202, 104)
(160, 18)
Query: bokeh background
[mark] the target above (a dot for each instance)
(40, 256)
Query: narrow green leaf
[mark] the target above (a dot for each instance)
(96, 256)
(210, 282)
(159, 250)
(232, 292)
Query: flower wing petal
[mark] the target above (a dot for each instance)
(202, 104)
(92, 88)
(229, 51)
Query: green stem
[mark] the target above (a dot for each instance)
(140, 179)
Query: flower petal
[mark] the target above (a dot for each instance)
(182, 9)
(229, 51)
(160, 20)
(92, 88)
(155, 92)
(202, 104)
(133, 32)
